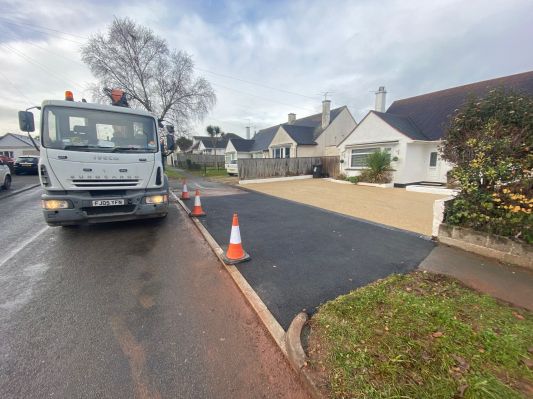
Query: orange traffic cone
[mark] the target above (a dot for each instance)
(197, 209)
(235, 252)
(184, 191)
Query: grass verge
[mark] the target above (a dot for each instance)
(210, 172)
(422, 336)
(173, 173)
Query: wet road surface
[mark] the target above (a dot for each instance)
(20, 182)
(130, 310)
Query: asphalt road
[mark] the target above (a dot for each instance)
(130, 310)
(303, 256)
(20, 182)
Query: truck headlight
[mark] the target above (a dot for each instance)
(55, 204)
(156, 199)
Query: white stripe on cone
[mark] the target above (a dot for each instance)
(184, 188)
(235, 237)
(197, 201)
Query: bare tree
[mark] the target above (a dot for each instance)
(215, 132)
(162, 81)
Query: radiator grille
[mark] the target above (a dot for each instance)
(105, 183)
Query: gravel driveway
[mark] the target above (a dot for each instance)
(390, 206)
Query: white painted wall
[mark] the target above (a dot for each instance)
(413, 156)
(417, 167)
(373, 132)
(337, 131)
(309, 151)
(282, 139)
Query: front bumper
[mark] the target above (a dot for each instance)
(82, 211)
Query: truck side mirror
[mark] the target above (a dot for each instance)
(26, 122)
(171, 142)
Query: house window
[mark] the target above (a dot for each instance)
(433, 160)
(358, 159)
(281, 152)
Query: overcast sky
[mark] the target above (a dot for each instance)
(268, 58)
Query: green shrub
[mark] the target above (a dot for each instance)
(378, 169)
(490, 143)
(353, 179)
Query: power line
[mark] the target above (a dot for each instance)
(29, 59)
(262, 98)
(16, 35)
(15, 87)
(43, 29)
(256, 83)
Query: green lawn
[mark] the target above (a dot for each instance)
(173, 173)
(422, 336)
(210, 172)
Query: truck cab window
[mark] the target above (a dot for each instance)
(95, 130)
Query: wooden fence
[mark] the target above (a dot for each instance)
(189, 160)
(262, 168)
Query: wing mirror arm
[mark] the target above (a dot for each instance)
(27, 123)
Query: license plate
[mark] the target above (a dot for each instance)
(26, 164)
(108, 202)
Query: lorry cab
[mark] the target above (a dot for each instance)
(99, 163)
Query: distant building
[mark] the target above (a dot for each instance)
(15, 145)
(315, 135)
(207, 145)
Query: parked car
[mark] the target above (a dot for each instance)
(26, 164)
(232, 168)
(7, 161)
(5, 176)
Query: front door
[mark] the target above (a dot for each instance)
(433, 171)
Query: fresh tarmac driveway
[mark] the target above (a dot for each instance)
(303, 256)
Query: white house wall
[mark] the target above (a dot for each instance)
(337, 131)
(416, 167)
(230, 147)
(374, 132)
(309, 151)
(282, 139)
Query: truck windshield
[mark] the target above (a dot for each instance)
(77, 129)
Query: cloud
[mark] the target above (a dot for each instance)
(345, 47)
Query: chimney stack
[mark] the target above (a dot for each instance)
(292, 118)
(326, 105)
(247, 132)
(381, 97)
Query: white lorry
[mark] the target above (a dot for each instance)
(99, 163)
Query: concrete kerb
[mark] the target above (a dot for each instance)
(274, 179)
(11, 194)
(296, 354)
(268, 320)
(288, 342)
